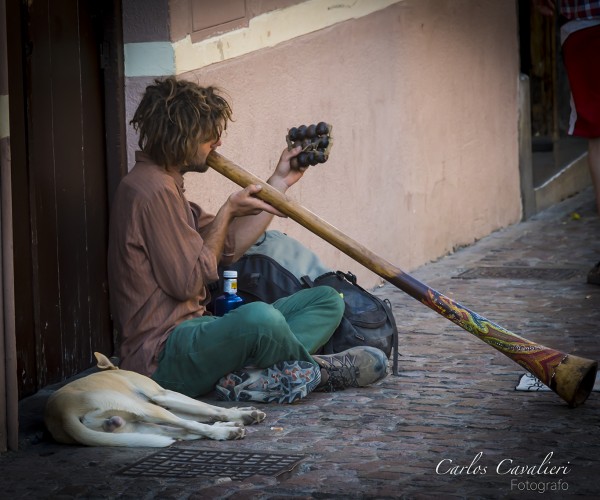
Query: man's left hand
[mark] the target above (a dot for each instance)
(284, 175)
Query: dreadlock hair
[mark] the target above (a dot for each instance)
(175, 116)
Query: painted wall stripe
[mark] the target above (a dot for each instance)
(149, 59)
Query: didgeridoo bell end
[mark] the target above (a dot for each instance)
(574, 379)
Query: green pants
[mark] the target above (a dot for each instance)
(200, 351)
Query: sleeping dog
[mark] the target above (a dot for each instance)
(123, 408)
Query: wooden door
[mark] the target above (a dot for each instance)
(64, 275)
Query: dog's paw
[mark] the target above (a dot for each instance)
(250, 415)
(227, 430)
(247, 415)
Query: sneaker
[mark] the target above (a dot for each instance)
(593, 276)
(284, 382)
(355, 367)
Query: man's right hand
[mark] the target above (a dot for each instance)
(245, 202)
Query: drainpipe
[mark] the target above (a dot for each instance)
(525, 155)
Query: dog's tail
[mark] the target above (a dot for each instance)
(90, 437)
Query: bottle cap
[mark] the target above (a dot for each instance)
(229, 274)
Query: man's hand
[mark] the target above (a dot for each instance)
(245, 202)
(232, 215)
(284, 175)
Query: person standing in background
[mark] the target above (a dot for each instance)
(580, 44)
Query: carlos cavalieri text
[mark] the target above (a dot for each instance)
(540, 477)
(504, 467)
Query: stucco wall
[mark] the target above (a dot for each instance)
(423, 100)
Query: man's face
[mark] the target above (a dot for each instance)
(199, 163)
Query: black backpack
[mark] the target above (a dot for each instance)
(367, 320)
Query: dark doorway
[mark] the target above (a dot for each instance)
(60, 188)
(541, 61)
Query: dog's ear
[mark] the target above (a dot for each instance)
(103, 362)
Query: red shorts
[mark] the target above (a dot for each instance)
(581, 53)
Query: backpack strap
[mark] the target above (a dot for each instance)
(307, 282)
(395, 339)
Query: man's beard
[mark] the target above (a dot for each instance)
(196, 167)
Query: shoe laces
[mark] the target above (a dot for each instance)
(342, 372)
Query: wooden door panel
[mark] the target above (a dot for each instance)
(67, 176)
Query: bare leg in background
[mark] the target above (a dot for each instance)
(594, 162)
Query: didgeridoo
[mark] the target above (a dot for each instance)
(569, 376)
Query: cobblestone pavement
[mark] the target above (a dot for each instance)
(450, 426)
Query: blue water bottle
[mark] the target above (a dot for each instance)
(230, 299)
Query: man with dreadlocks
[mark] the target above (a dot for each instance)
(164, 251)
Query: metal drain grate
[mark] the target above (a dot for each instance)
(520, 273)
(183, 463)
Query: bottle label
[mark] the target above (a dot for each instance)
(230, 286)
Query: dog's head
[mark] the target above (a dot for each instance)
(104, 363)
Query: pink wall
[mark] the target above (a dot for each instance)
(423, 100)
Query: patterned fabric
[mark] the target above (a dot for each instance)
(285, 382)
(580, 9)
(530, 383)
